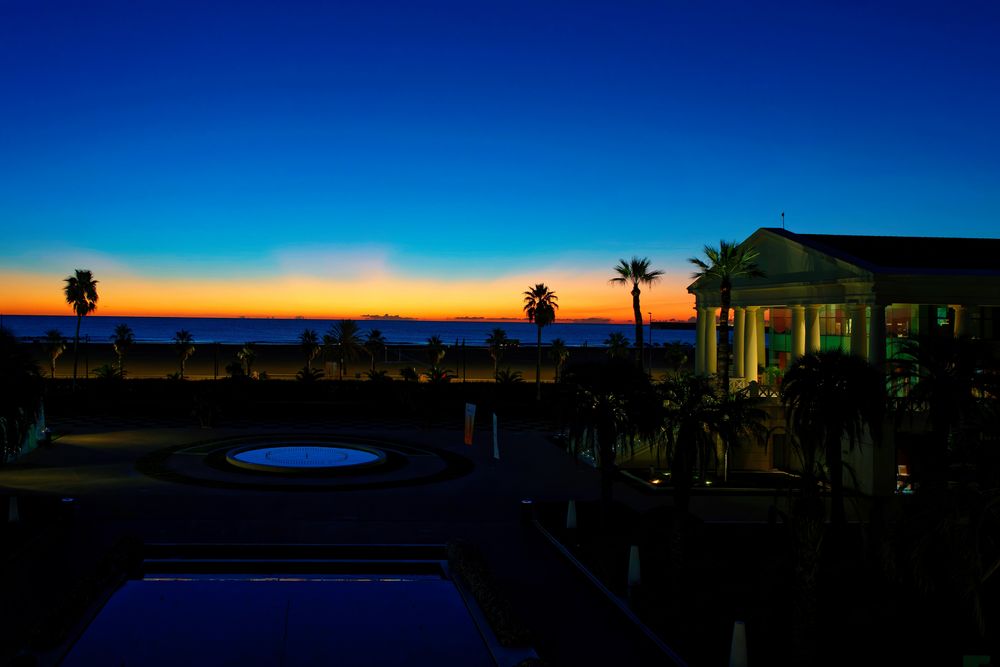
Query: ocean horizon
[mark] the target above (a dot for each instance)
(277, 331)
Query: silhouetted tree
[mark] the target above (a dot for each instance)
(636, 272)
(497, 343)
(610, 401)
(20, 394)
(950, 380)
(344, 339)
(617, 345)
(55, 345)
(309, 342)
(121, 341)
(375, 345)
(435, 351)
(540, 304)
(248, 355)
(184, 346)
(829, 396)
(81, 293)
(726, 263)
(559, 353)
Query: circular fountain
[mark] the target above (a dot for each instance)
(303, 462)
(305, 457)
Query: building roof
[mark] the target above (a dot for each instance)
(906, 254)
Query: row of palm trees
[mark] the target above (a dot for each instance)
(728, 261)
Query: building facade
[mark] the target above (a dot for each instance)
(860, 294)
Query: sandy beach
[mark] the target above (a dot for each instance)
(209, 361)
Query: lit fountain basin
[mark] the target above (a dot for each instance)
(305, 457)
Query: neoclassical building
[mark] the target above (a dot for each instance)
(856, 293)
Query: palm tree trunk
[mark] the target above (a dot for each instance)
(76, 348)
(637, 311)
(538, 368)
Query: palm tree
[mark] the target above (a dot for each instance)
(740, 419)
(636, 272)
(727, 262)
(184, 345)
(55, 345)
(248, 355)
(540, 305)
(676, 356)
(508, 377)
(827, 396)
(692, 417)
(497, 343)
(617, 345)
(559, 353)
(435, 351)
(81, 294)
(375, 345)
(309, 342)
(345, 338)
(608, 402)
(122, 341)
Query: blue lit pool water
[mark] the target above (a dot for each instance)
(305, 457)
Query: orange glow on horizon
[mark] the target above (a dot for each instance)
(581, 296)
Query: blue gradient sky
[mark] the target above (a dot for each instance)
(497, 141)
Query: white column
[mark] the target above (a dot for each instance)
(699, 343)
(876, 335)
(711, 336)
(761, 350)
(812, 329)
(859, 337)
(750, 345)
(798, 332)
(739, 318)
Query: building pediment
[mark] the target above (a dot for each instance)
(792, 271)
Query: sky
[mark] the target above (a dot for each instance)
(435, 159)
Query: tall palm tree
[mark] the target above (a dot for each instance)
(727, 262)
(184, 345)
(81, 294)
(345, 338)
(617, 345)
(540, 305)
(636, 272)
(375, 344)
(829, 396)
(309, 342)
(55, 345)
(559, 353)
(122, 340)
(497, 343)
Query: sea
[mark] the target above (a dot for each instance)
(239, 330)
